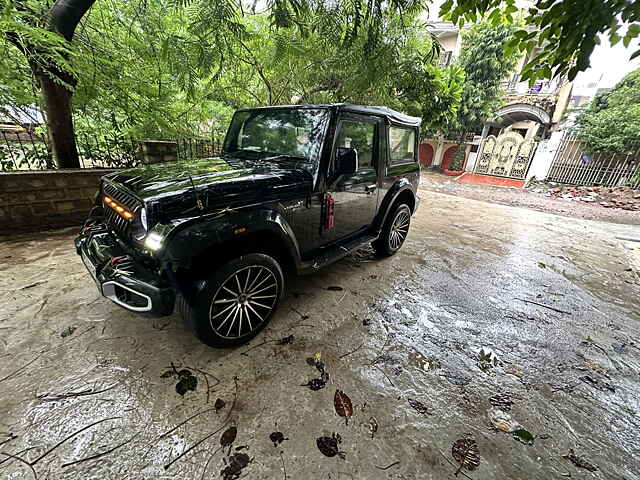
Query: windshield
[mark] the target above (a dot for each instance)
(294, 134)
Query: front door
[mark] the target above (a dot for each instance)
(356, 196)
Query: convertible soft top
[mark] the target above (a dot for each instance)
(392, 115)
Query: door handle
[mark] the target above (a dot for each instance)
(370, 188)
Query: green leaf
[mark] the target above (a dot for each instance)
(523, 436)
(446, 7)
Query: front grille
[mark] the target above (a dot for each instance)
(119, 225)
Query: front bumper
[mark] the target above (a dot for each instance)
(119, 277)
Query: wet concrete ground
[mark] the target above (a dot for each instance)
(534, 197)
(402, 340)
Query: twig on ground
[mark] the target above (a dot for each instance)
(15, 457)
(71, 436)
(352, 351)
(284, 469)
(101, 454)
(544, 306)
(385, 374)
(302, 315)
(31, 285)
(206, 380)
(13, 374)
(184, 421)
(388, 466)
(209, 435)
(42, 305)
(18, 453)
(256, 346)
(11, 437)
(384, 345)
(454, 466)
(83, 393)
(206, 465)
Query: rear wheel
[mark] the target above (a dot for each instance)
(394, 232)
(235, 302)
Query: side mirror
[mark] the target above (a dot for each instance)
(346, 161)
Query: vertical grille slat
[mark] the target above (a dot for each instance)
(120, 225)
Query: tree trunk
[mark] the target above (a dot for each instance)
(62, 18)
(57, 106)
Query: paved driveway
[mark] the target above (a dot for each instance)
(88, 390)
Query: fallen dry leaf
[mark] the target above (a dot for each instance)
(343, 405)
(466, 453)
(229, 436)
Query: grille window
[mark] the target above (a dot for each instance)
(120, 225)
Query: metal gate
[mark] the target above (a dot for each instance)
(573, 165)
(507, 155)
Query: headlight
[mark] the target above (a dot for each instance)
(143, 219)
(153, 241)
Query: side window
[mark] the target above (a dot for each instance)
(402, 145)
(359, 136)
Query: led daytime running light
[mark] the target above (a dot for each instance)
(120, 210)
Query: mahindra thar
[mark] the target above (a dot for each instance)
(295, 188)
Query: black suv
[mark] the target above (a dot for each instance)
(296, 188)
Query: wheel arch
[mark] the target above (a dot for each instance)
(208, 243)
(400, 193)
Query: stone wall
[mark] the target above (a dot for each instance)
(36, 201)
(157, 151)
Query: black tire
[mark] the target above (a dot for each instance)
(394, 232)
(231, 294)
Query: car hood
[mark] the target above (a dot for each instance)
(214, 184)
(217, 181)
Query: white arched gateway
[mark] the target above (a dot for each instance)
(509, 153)
(519, 112)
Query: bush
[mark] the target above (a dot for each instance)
(457, 163)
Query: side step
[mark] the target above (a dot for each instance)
(336, 252)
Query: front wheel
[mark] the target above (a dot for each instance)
(236, 301)
(394, 232)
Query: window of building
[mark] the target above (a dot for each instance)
(445, 58)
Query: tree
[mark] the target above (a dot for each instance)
(612, 122)
(42, 34)
(129, 83)
(167, 67)
(486, 64)
(561, 34)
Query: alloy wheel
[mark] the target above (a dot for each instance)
(399, 230)
(243, 302)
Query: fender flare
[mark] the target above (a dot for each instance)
(390, 198)
(192, 237)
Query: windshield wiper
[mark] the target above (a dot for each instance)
(293, 158)
(246, 153)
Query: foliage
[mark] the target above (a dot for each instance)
(458, 160)
(612, 122)
(22, 26)
(23, 156)
(561, 34)
(432, 93)
(173, 68)
(486, 64)
(128, 84)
